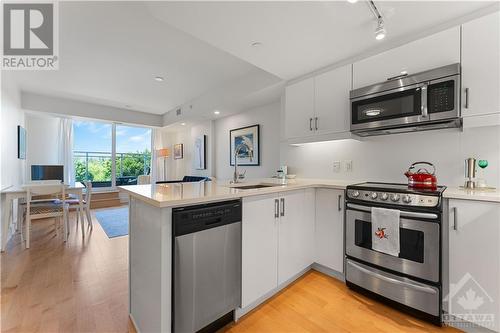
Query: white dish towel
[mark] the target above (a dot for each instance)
(385, 230)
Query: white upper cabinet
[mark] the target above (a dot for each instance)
(332, 100)
(318, 105)
(437, 50)
(299, 109)
(481, 66)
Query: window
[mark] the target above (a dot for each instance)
(97, 161)
(133, 153)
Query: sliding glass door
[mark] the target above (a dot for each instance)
(110, 155)
(133, 153)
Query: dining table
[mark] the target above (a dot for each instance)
(9, 193)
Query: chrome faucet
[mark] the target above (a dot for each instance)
(237, 150)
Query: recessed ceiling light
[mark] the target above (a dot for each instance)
(352, 1)
(183, 124)
(159, 78)
(216, 112)
(380, 31)
(256, 44)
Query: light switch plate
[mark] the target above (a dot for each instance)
(336, 166)
(348, 166)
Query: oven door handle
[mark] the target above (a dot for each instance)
(412, 285)
(402, 212)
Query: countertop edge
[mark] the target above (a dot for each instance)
(232, 196)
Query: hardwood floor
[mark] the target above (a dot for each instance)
(52, 287)
(319, 303)
(83, 287)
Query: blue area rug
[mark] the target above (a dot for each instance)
(114, 221)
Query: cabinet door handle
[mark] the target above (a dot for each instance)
(455, 218)
(276, 208)
(310, 124)
(340, 203)
(316, 123)
(282, 207)
(466, 98)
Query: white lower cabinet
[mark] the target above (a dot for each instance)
(296, 233)
(329, 231)
(277, 241)
(259, 271)
(474, 262)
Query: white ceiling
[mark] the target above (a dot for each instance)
(300, 37)
(110, 53)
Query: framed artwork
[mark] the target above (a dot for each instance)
(200, 143)
(21, 143)
(178, 151)
(247, 141)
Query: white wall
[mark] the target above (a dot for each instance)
(11, 115)
(12, 169)
(42, 146)
(386, 158)
(268, 117)
(176, 169)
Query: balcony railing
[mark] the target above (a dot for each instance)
(97, 167)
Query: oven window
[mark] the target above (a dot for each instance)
(395, 105)
(441, 96)
(411, 242)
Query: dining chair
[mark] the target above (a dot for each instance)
(74, 204)
(42, 208)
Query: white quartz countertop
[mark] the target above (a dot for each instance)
(479, 195)
(182, 194)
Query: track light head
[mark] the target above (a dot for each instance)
(380, 31)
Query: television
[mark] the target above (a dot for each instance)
(47, 172)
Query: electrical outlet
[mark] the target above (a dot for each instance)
(348, 166)
(336, 166)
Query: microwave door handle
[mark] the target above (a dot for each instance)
(402, 213)
(423, 107)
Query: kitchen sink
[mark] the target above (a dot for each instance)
(253, 187)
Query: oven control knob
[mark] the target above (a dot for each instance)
(384, 197)
(406, 199)
(355, 194)
(374, 195)
(395, 197)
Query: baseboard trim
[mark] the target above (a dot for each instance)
(240, 312)
(465, 326)
(132, 321)
(328, 271)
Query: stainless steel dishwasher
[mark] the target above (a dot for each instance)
(206, 275)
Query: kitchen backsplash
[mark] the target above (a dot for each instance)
(386, 158)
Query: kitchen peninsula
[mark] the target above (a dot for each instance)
(299, 221)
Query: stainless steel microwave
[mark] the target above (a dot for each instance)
(422, 101)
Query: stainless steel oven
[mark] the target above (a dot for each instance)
(426, 100)
(413, 278)
(419, 242)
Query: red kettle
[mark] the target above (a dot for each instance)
(422, 179)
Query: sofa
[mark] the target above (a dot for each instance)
(186, 179)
